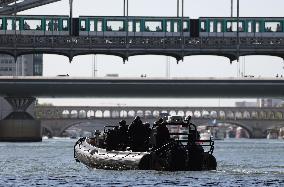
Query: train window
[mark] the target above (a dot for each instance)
(153, 26)
(83, 25)
(250, 29)
(32, 24)
(10, 24)
(185, 26)
(168, 26)
(175, 26)
(219, 26)
(18, 25)
(130, 26)
(203, 26)
(115, 26)
(55, 24)
(92, 25)
(99, 26)
(232, 26)
(65, 25)
(211, 26)
(1, 24)
(273, 26)
(48, 23)
(257, 26)
(137, 26)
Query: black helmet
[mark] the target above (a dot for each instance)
(188, 118)
(160, 120)
(122, 122)
(137, 118)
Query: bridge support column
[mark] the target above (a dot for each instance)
(20, 126)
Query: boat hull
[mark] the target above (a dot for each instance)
(99, 158)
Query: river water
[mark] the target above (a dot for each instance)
(241, 162)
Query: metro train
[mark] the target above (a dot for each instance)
(142, 26)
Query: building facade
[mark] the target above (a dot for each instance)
(27, 65)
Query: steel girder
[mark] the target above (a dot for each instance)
(8, 7)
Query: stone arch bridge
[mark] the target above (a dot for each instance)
(56, 119)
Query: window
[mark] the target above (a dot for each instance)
(153, 26)
(32, 24)
(137, 26)
(250, 29)
(219, 26)
(211, 26)
(92, 25)
(168, 26)
(257, 26)
(130, 26)
(176, 26)
(232, 26)
(1, 24)
(99, 26)
(9, 24)
(49, 26)
(115, 26)
(185, 26)
(203, 26)
(273, 26)
(65, 25)
(83, 25)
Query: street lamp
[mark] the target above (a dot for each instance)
(71, 17)
(238, 30)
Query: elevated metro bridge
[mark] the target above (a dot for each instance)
(169, 46)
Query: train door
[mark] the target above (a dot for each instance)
(194, 27)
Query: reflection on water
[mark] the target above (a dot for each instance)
(50, 163)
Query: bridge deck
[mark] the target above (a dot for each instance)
(190, 87)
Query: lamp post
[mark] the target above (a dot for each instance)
(177, 8)
(232, 8)
(71, 17)
(238, 30)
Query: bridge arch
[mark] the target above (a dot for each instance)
(238, 124)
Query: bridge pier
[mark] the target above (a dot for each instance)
(19, 125)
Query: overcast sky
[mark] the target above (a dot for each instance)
(155, 66)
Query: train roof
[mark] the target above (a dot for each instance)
(241, 18)
(136, 17)
(36, 16)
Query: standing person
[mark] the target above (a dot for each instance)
(123, 134)
(163, 135)
(136, 135)
(147, 135)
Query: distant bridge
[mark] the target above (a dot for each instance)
(56, 119)
(22, 87)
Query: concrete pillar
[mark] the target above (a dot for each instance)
(20, 126)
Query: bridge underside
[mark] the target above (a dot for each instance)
(9, 7)
(16, 45)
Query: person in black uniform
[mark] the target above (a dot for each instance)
(163, 135)
(136, 135)
(123, 135)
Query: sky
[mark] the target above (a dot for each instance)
(155, 66)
